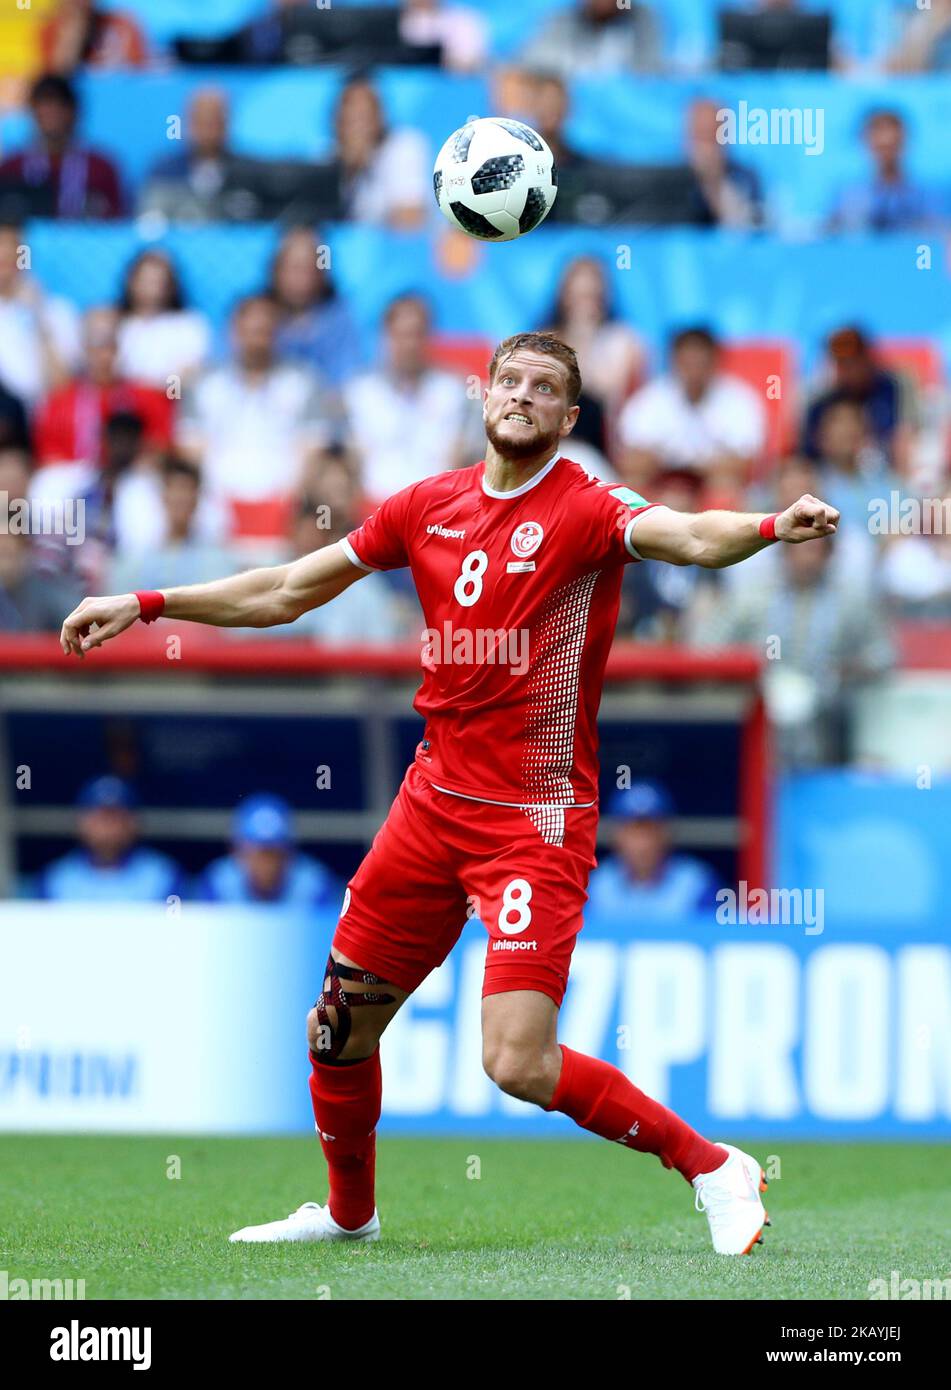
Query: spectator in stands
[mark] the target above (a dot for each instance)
(30, 600)
(776, 46)
(315, 325)
(14, 426)
(656, 598)
(728, 194)
(550, 102)
(16, 466)
(926, 42)
(184, 551)
(81, 35)
(385, 174)
(108, 864)
(851, 466)
(460, 31)
(856, 376)
(610, 354)
(109, 494)
(407, 420)
(264, 864)
(915, 573)
(261, 40)
(889, 200)
(79, 182)
(160, 341)
(188, 186)
(856, 555)
(595, 38)
(251, 422)
(39, 333)
(696, 416)
(643, 881)
(69, 422)
(545, 100)
(826, 638)
(266, 38)
(375, 610)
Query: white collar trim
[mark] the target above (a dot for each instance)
(526, 487)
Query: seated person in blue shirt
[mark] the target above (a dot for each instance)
(642, 880)
(108, 865)
(889, 407)
(888, 199)
(264, 866)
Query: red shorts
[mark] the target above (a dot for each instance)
(440, 859)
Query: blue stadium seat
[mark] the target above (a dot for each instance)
(863, 28)
(163, 20)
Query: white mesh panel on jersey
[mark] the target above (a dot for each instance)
(549, 821)
(552, 702)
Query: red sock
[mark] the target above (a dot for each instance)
(599, 1097)
(347, 1101)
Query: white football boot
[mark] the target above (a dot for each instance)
(730, 1196)
(309, 1222)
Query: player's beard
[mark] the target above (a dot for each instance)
(525, 446)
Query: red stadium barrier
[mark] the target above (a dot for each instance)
(210, 650)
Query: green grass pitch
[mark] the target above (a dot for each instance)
(545, 1219)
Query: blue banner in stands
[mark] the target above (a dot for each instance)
(127, 1019)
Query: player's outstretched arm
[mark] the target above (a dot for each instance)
(716, 539)
(256, 598)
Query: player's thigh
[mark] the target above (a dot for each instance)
(404, 907)
(530, 897)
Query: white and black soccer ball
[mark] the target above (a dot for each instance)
(495, 179)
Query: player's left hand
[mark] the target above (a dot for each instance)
(806, 520)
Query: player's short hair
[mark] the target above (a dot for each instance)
(549, 346)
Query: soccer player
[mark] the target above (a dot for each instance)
(518, 563)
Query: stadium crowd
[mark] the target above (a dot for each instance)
(193, 449)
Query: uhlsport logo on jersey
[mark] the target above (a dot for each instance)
(526, 539)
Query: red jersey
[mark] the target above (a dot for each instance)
(69, 423)
(520, 593)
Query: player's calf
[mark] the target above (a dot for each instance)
(519, 1048)
(343, 1029)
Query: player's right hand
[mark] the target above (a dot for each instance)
(96, 620)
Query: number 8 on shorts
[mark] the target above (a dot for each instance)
(515, 914)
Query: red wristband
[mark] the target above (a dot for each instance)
(767, 527)
(151, 605)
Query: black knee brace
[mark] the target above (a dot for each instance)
(333, 995)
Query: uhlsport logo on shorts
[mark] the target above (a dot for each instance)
(526, 539)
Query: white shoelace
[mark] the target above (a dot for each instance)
(304, 1210)
(714, 1207)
